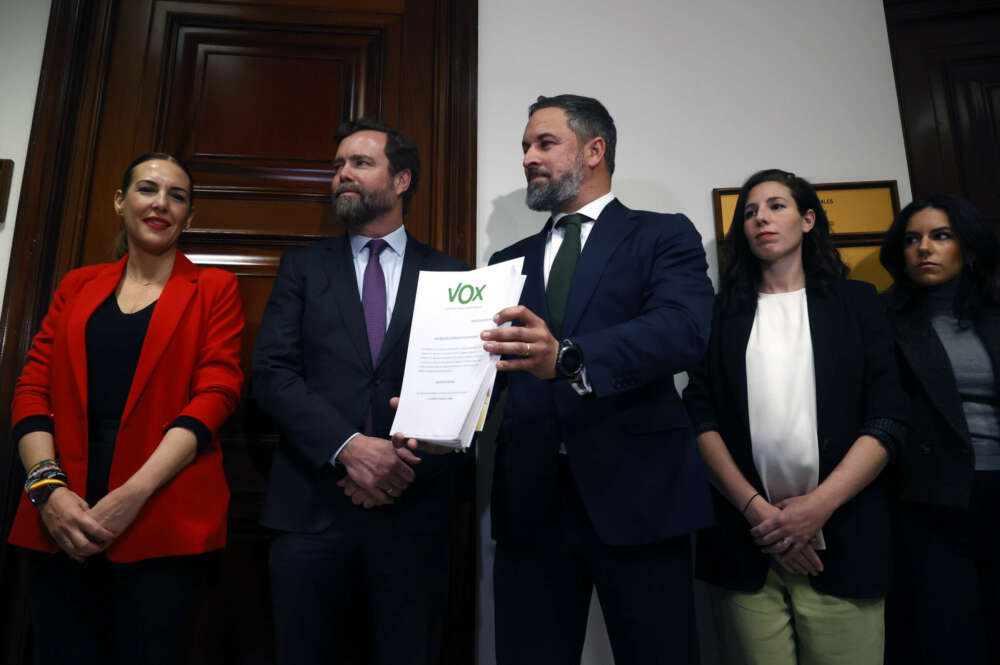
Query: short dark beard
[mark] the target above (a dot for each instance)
(357, 212)
(551, 196)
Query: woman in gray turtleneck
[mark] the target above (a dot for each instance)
(946, 518)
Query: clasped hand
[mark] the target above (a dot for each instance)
(82, 531)
(786, 531)
(377, 471)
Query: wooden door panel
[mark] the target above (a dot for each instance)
(975, 89)
(946, 61)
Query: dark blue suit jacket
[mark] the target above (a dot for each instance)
(639, 308)
(312, 371)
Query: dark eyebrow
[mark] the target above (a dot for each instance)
(775, 198)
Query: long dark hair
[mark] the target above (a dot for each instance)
(978, 282)
(741, 270)
(121, 241)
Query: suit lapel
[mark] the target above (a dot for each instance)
(533, 295)
(614, 223)
(824, 322)
(923, 352)
(167, 314)
(89, 299)
(735, 335)
(414, 260)
(344, 285)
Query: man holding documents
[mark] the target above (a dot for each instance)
(598, 481)
(329, 355)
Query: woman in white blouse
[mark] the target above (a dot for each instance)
(798, 409)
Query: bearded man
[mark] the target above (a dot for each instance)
(598, 481)
(357, 518)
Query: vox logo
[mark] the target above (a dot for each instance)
(465, 293)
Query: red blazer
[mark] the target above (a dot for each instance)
(189, 366)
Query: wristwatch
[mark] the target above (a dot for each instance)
(41, 494)
(569, 361)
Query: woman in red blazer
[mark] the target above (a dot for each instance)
(134, 370)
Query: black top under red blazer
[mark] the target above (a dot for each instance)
(937, 464)
(857, 382)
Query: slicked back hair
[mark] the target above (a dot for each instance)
(587, 117)
(402, 153)
(120, 247)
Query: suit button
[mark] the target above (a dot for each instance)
(825, 443)
(925, 448)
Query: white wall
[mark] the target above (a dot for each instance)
(22, 38)
(703, 94)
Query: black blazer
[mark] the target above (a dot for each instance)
(937, 464)
(312, 372)
(856, 383)
(639, 309)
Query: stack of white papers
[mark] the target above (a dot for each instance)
(448, 379)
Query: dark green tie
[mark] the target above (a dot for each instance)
(563, 267)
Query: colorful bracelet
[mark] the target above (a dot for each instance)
(48, 481)
(44, 473)
(44, 462)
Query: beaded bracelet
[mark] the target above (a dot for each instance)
(44, 473)
(44, 462)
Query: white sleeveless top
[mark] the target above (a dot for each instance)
(781, 396)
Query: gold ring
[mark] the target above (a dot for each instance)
(527, 350)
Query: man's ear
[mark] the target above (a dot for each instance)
(593, 151)
(401, 181)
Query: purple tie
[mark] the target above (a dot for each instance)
(373, 297)
(373, 302)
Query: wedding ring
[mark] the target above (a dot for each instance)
(527, 350)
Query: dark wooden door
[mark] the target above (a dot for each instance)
(249, 94)
(946, 58)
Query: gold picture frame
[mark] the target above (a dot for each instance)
(859, 212)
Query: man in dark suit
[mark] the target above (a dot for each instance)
(329, 355)
(598, 481)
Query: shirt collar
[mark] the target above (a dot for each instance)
(396, 241)
(592, 209)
